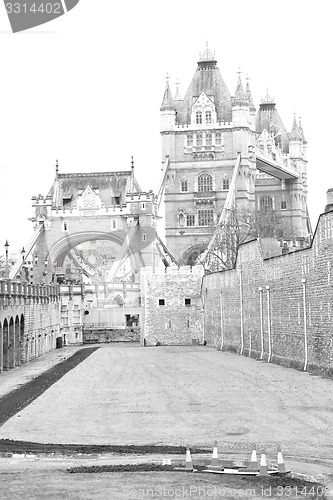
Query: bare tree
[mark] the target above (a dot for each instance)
(238, 227)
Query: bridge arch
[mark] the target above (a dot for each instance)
(64, 245)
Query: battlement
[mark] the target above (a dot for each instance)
(173, 270)
(43, 206)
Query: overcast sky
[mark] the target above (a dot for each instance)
(86, 88)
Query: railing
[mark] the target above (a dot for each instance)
(108, 326)
(13, 288)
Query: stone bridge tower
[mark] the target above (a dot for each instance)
(202, 135)
(100, 225)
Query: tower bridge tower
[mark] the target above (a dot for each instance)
(202, 136)
(101, 224)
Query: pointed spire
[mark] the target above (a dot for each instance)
(168, 102)
(240, 97)
(132, 176)
(248, 94)
(268, 99)
(207, 55)
(300, 126)
(177, 93)
(295, 134)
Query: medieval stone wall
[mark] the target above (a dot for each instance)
(278, 309)
(172, 312)
(29, 322)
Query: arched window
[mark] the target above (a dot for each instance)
(205, 183)
(208, 139)
(218, 139)
(198, 117)
(266, 203)
(208, 116)
(190, 140)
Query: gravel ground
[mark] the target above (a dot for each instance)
(129, 400)
(21, 397)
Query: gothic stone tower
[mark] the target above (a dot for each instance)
(202, 135)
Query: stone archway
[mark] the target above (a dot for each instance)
(23, 343)
(11, 346)
(17, 345)
(190, 256)
(118, 301)
(1, 348)
(5, 344)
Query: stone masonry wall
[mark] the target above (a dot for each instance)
(278, 309)
(29, 322)
(174, 321)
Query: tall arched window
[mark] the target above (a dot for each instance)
(205, 183)
(198, 117)
(208, 116)
(208, 139)
(190, 140)
(266, 203)
(218, 139)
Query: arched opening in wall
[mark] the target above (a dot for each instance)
(1, 348)
(192, 254)
(5, 343)
(11, 346)
(118, 301)
(23, 344)
(17, 345)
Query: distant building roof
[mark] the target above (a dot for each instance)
(108, 185)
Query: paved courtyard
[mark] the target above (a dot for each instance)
(178, 395)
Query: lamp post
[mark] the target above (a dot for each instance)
(7, 265)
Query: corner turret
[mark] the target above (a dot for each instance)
(168, 109)
(240, 105)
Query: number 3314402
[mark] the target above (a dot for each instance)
(35, 8)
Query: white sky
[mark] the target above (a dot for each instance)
(87, 87)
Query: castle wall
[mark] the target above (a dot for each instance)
(29, 322)
(279, 309)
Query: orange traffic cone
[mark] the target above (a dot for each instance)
(215, 457)
(280, 461)
(263, 464)
(188, 460)
(254, 460)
